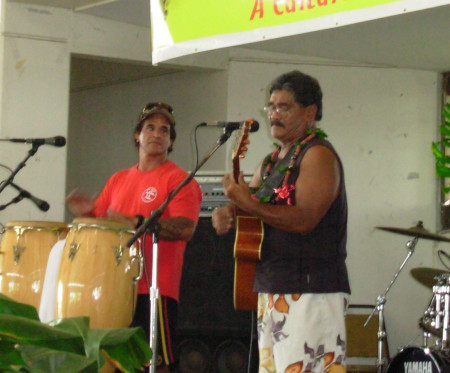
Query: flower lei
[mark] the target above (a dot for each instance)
(285, 190)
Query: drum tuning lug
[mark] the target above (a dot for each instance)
(18, 251)
(118, 253)
(74, 247)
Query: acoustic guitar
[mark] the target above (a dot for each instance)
(248, 241)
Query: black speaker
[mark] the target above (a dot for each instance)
(211, 334)
(206, 289)
(200, 355)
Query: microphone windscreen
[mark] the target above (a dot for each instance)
(60, 141)
(254, 126)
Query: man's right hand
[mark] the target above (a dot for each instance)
(79, 204)
(223, 219)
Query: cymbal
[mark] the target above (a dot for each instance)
(416, 232)
(427, 276)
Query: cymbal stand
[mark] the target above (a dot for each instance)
(381, 301)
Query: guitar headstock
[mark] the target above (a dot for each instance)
(241, 146)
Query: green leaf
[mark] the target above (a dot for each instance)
(436, 151)
(446, 112)
(439, 155)
(65, 345)
(127, 348)
(318, 131)
(11, 307)
(445, 190)
(75, 325)
(444, 130)
(46, 360)
(442, 170)
(25, 331)
(9, 355)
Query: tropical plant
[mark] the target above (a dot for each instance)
(65, 345)
(439, 148)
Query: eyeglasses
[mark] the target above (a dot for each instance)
(152, 105)
(281, 110)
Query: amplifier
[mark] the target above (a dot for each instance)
(212, 194)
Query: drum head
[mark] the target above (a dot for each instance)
(36, 224)
(419, 360)
(106, 223)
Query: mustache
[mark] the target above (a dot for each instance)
(277, 123)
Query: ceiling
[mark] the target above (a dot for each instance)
(416, 40)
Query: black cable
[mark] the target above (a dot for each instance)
(147, 279)
(196, 144)
(252, 335)
(447, 256)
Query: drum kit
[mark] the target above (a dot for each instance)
(434, 355)
(95, 275)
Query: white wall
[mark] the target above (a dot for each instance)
(34, 103)
(381, 121)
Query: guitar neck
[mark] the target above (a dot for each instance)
(236, 169)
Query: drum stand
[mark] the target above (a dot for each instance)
(381, 301)
(442, 293)
(151, 225)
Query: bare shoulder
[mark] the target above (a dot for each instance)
(320, 154)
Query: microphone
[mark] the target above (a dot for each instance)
(55, 141)
(42, 205)
(231, 126)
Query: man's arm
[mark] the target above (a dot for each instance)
(177, 228)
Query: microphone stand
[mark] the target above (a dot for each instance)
(21, 165)
(17, 199)
(151, 225)
(381, 301)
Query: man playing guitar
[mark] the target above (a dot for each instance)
(301, 279)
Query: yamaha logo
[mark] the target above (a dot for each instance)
(418, 367)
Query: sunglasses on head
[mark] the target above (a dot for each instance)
(152, 105)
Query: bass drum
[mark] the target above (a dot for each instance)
(415, 359)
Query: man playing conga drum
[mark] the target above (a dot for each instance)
(132, 194)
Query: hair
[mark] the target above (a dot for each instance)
(305, 88)
(140, 124)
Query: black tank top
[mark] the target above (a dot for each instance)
(310, 263)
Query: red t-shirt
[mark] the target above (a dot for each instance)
(132, 192)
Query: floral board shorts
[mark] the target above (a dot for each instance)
(302, 332)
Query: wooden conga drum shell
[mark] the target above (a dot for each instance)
(24, 249)
(98, 273)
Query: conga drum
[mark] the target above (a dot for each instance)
(98, 273)
(25, 247)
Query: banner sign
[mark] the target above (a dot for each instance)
(182, 27)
